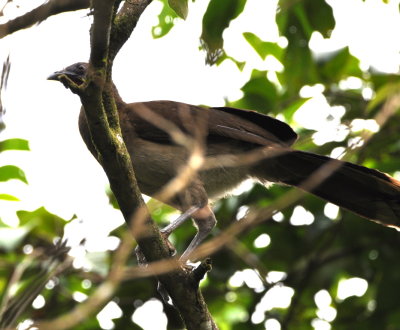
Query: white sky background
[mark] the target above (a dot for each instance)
(62, 174)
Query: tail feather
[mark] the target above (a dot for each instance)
(369, 193)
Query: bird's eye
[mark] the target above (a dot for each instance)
(81, 68)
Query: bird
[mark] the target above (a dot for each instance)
(227, 134)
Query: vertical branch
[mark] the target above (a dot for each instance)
(102, 117)
(124, 23)
(103, 121)
(100, 32)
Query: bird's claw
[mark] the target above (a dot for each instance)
(171, 248)
(142, 259)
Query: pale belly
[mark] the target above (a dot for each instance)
(154, 169)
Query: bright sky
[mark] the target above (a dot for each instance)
(62, 174)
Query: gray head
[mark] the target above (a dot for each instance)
(76, 72)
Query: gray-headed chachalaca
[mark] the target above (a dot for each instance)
(231, 132)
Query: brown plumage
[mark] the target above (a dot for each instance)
(234, 132)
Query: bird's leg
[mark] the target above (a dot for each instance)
(179, 221)
(205, 222)
(165, 232)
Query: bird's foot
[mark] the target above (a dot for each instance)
(171, 248)
(142, 259)
(197, 273)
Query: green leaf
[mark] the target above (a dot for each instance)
(42, 222)
(263, 48)
(301, 15)
(9, 172)
(14, 144)
(300, 68)
(224, 56)
(297, 20)
(259, 84)
(380, 79)
(339, 65)
(217, 18)
(306, 17)
(8, 197)
(383, 93)
(180, 7)
(259, 93)
(165, 21)
(161, 212)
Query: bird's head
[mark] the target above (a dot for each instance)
(76, 72)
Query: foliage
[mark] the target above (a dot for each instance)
(180, 7)
(165, 20)
(313, 257)
(10, 172)
(216, 19)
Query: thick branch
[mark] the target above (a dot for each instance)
(102, 117)
(124, 23)
(100, 32)
(39, 14)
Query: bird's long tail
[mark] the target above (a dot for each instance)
(369, 193)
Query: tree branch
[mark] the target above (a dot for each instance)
(103, 121)
(124, 23)
(39, 14)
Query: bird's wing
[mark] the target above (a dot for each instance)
(212, 123)
(250, 126)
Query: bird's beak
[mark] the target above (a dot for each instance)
(56, 75)
(71, 75)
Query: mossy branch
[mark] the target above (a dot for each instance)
(102, 117)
